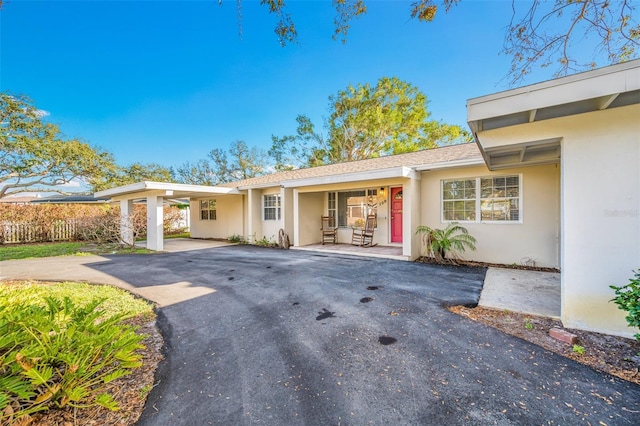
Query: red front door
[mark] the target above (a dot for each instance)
(396, 215)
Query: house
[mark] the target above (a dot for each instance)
(71, 199)
(589, 126)
(551, 179)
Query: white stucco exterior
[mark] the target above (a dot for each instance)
(228, 222)
(534, 237)
(598, 142)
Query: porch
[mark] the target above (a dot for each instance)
(379, 251)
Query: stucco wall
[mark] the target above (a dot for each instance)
(600, 209)
(254, 215)
(534, 237)
(228, 221)
(310, 206)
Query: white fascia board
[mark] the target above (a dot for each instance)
(260, 186)
(396, 172)
(451, 164)
(139, 188)
(603, 82)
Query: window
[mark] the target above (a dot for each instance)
(500, 198)
(459, 200)
(272, 207)
(207, 209)
(354, 206)
(332, 206)
(490, 199)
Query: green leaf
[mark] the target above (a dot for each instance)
(39, 375)
(115, 375)
(107, 401)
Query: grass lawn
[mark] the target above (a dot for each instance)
(116, 301)
(24, 251)
(181, 235)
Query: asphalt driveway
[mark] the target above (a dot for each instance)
(298, 338)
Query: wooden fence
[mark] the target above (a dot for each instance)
(62, 230)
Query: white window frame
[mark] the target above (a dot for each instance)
(332, 206)
(277, 207)
(209, 210)
(368, 192)
(478, 200)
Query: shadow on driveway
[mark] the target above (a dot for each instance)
(291, 338)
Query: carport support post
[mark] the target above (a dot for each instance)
(155, 216)
(126, 221)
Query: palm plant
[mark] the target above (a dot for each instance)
(448, 243)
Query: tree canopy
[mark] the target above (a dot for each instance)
(136, 172)
(366, 121)
(35, 156)
(543, 33)
(222, 166)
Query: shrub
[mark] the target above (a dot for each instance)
(448, 243)
(265, 242)
(61, 354)
(628, 299)
(235, 238)
(97, 223)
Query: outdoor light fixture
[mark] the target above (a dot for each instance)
(382, 192)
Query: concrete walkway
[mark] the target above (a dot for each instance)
(177, 245)
(528, 292)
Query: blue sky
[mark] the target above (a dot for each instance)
(167, 81)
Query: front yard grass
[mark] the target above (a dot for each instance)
(24, 251)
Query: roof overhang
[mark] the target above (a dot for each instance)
(450, 164)
(605, 88)
(173, 190)
(532, 153)
(395, 172)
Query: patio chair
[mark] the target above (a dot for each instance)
(329, 230)
(363, 237)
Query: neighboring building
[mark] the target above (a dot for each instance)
(552, 179)
(18, 199)
(71, 199)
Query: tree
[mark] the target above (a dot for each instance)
(238, 163)
(540, 32)
(303, 149)
(34, 155)
(200, 172)
(548, 33)
(136, 172)
(365, 122)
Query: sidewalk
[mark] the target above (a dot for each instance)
(528, 292)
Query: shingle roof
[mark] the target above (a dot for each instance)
(425, 157)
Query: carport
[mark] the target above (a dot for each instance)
(154, 193)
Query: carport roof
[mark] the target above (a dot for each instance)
(173, 190)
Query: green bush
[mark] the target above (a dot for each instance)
(235, 238)
(628, 299)
(448, 243)
(61, 354)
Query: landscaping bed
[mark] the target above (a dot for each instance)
(615, 355)
(75, 354)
